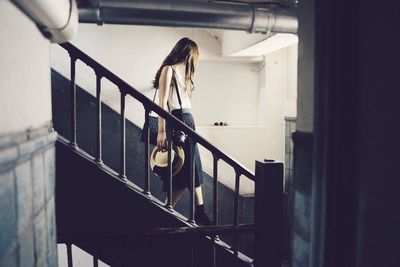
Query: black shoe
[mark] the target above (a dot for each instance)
(202, 219)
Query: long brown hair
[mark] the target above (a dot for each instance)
(185, 51)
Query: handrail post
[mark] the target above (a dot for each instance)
(268, 213)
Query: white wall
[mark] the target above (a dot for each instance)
(134, 53)
(25, 95)
(263, 141)
(291, 91)
(225, 92)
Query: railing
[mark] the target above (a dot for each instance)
(268, 178)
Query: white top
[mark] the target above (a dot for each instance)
(173, 102)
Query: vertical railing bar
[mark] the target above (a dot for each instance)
(74, 142)
(236, 211)
(214, 254)
(191, 180)
(95, 262)
(123, 136)
(69, 254)
(215, 194)
(147, 155)
(99, 159)
(215, 190)
(192, 257)
(169, 147)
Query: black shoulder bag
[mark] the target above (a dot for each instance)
(179, 137)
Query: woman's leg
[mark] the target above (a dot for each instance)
(198, 193)
(176, 195)
(200, 215)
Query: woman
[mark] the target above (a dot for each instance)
(174, 95)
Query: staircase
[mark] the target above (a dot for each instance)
(111, 207)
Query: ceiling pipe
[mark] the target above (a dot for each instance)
(57, 19)
(197, 14)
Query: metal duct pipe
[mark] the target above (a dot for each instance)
(178, 13)
(58, 19)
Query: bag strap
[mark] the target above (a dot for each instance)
(155, 93)
(176, 89)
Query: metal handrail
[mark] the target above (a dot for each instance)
(160, 232)
(268, 177)
(76, 53)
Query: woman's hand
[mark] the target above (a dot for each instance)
(162, 140)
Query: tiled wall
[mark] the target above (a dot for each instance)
(27, 207)
(300, 200)
(290, 127)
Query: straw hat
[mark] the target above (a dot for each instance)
(159, 161)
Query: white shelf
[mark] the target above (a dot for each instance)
(228, 127)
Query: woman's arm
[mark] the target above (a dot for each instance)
(164, 85)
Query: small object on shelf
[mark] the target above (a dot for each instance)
(225, 123)
(221, 123)
(216, 123)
